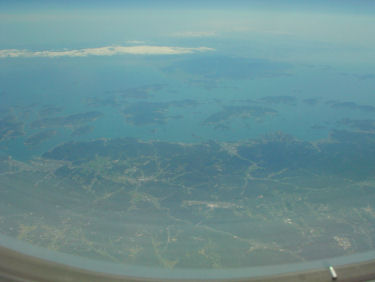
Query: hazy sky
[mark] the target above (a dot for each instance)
(325, 30)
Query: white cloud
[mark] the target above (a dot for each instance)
(135, 42)
(104, 51)
(195, 34)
